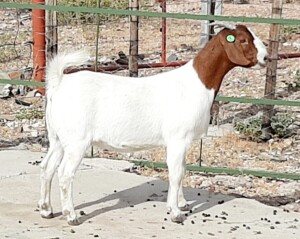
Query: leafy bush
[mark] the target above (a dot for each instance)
(251, 128)
(70, 17)
(295, 85)
(30, 113)
(281, 124)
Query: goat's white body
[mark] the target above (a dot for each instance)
(169, 109)
(129, 113)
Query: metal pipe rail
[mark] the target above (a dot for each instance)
(218, 170)
(243, 100)
(121, 12)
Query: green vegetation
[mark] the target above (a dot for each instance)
(288, 31)
(295, 85)
(29, 113)
(281, 124)
(70, 17)
(251, 128)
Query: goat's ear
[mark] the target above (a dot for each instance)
(233, 48)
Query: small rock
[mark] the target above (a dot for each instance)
(34, 133)
(33, 93)
(172, 57)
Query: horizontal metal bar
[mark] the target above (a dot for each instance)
(218, 98)
(258, 101)
(126, 67)
(121, 12)
(22, 82)
(218, 170)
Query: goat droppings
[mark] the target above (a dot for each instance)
(82, 213)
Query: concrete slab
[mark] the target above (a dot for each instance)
(117, 204)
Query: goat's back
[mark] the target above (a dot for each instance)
(128, 113)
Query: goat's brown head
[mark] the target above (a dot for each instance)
(243, 47)
(233, 46)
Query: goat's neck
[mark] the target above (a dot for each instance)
(212, 64)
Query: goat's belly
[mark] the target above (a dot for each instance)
(127, 137)
(123, 147)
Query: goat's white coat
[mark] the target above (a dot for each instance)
(261, 51)
(127, 113)
(170, 109)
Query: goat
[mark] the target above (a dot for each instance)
(169, 109)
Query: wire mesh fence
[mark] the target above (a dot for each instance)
(235, 138)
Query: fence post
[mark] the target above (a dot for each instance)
(270, 84)
(134, 37)
(39, 44)
(51, 30)
(164, 33)
(208, 7)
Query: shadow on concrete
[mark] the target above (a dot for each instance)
(154, 191)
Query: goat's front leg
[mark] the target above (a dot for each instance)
(66, 173)
(176, 166)
(182, 204)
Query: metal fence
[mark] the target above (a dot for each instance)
(77, 28)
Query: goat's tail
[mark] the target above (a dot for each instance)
(58, 64)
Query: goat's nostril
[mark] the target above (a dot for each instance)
(266, 58)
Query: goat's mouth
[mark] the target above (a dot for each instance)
(259, 66)
(262, 64)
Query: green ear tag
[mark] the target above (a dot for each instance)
(230, 38)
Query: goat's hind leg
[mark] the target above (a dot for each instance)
(66, 172)
(48, 166)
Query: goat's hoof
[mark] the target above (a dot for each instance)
(74, 222)
(47, 216)
(177, 219)
(186, 207)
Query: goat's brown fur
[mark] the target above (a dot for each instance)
(215, 59)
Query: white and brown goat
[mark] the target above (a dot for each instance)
(169, 109)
